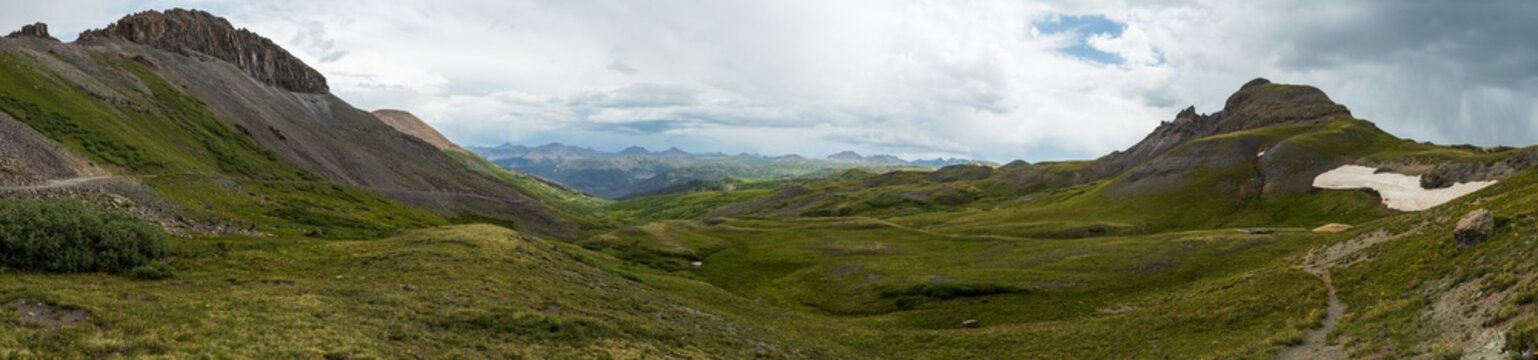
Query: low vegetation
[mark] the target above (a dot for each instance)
(63, 236)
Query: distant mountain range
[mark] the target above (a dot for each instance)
(637, 171)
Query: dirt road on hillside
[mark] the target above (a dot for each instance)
(60, 183)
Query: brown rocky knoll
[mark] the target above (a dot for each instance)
(408, 123)
(194, 31)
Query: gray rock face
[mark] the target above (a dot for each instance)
(187, 31)
(1450, 173)
(1474, 228)
(38, 30)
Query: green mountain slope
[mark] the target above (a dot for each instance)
(173, 144)
(463, 291)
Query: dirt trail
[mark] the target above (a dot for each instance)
(60, 183)
(1316, 344)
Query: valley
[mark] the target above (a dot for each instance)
(276, 220)
(637, 172)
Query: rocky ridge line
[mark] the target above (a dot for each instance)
(185, 31)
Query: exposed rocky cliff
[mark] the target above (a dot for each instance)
(38, 30)
(194, 31)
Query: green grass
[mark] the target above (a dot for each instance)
(899, 292)
(685, 205)
(462, 291)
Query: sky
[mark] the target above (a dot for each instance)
(990, 80)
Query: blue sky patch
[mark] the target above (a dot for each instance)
(1082, 27)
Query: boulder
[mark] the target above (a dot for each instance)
(970, 324)
(1474, 228)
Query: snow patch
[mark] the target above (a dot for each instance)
(1400, 192)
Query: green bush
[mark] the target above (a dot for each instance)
(157, 270)
(68, 236)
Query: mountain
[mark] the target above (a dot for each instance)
(636, 171)
(1218, 218)
(1242, 165)
(571, 205)
(855, 158)
(181, 96)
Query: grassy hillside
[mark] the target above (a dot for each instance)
(900, 292)
(463, 291)
(1137, 262)
(173, 144)
(583, 209)
(1413, 292)
(1250, 178)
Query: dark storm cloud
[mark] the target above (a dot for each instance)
(1491, 43)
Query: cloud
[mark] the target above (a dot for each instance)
(1084, 35)
(997, 80)
(621, 67)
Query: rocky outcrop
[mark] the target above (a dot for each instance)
(194, 31)
(409, 124)
(1450, 173)
(1474, 228)
(37, 30)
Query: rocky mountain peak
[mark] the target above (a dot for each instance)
(1254, 83)
(1187, 115)
(196, 31)
(1259, 103)
(38, 30)
(635, 150)
(846, 155)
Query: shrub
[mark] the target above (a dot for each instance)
(157, 270)
(1523, 337)
(69, 236)
(529, 326)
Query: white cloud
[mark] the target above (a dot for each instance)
(912, 78)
